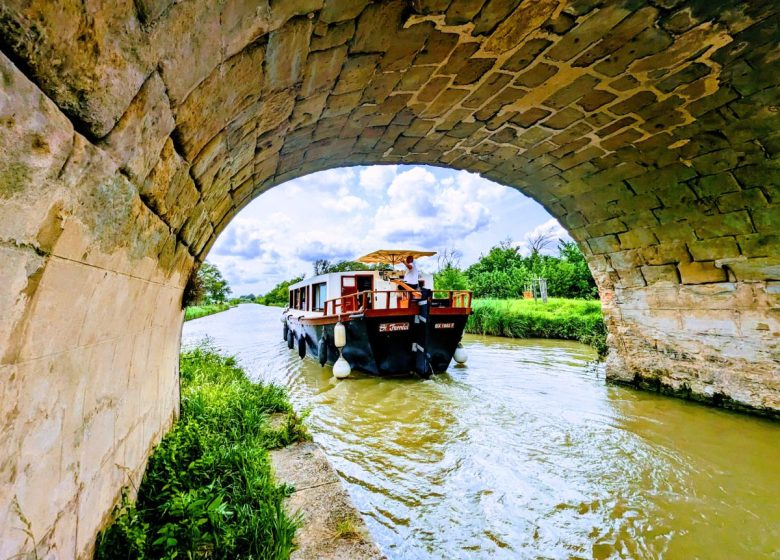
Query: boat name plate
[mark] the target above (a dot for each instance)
(393, 327)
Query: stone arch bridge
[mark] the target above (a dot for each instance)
(131, 132)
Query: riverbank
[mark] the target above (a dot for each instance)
(208, 485)
(559, 318)
(198, 311)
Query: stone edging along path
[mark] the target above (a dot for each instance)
(332, 527)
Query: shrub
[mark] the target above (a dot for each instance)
(567, 319)
(208, 490)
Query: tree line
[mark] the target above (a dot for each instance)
(504, 272)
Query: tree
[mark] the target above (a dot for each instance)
(321, 266)
(215, 287)
(448, 258)
(540, 241)
(279, 294)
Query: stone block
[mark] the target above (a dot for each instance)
(215, 102)
(488, 89)
(572, 92)
(356, 74)
(715, 162)
(518, 25)
(605, 244)
(621, 260)
(635, 238)
(137, 139)
(286, 53)
(587, 33)
(530, 117)
(342, 10)
(376, 26)
(711, 249)
(719, 225)
(701, 273)
(750, 198)
(767, 219)
(666, 253)
(322, 70)
(334, 35)
(473, 71)
(649, 42)
(660, 273)
(759, 244)
(619, 36)
(462, 11)
(719, 322)
(631, 278)
(525, 55)
(563, 118)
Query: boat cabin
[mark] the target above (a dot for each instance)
(346, 292)
(339, 293)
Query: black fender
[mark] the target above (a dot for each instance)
(290, 339)
(302, 346)
(322, 351)
(285, 330)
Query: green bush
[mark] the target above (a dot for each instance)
(567, 319)
(503, 272)
(208, 490)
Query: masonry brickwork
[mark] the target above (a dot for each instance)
(132, 132)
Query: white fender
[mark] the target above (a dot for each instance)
(461, 356)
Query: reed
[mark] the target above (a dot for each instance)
(208, 491)
(566, 319)
(198, 311)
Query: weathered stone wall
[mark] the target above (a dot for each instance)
(91, 307)
(133, 131)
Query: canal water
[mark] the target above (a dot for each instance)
(526, 453)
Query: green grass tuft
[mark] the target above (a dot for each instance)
(208, 491)
(198, 311)
(567, 319)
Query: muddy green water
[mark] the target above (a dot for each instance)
(526, 453)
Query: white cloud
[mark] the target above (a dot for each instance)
(345, 204)
(426, 212)
(377, 177)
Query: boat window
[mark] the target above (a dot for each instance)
(319, 296)
(347, 281)
(302, 300)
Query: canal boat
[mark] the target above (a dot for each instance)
(372, 321)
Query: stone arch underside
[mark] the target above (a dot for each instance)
(133, 131)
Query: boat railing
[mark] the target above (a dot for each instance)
(394, 299)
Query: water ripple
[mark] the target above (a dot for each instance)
(526, 453)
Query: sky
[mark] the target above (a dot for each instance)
(343, 213)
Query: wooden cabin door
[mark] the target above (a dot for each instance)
(348, 287)
(365, 283)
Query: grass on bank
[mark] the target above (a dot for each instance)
(198, 311)
(567, 319)
(208, 491)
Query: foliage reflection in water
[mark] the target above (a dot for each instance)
(527, 453)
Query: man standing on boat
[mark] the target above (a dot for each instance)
(412, 276)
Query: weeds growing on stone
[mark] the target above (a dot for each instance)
(567, 319)
(208, 490)
(348, 529)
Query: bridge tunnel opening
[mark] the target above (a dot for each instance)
(648, 129)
